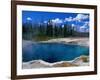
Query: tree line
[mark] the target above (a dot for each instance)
(44, 30)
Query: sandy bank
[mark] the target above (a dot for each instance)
(75, 41)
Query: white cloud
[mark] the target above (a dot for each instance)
(69, 19)
(45, 21)
(62, 25)
(85, 27)
(80, 17)
(87, 30)
(86, 23)
(28, 18)
(57, 20)
(82, 29)
(73, 25)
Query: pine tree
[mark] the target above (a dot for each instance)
(49, 30)
(65, 31)
(56, 31)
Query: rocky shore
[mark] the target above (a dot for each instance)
(80, 61)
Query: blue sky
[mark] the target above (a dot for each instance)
(78, 20)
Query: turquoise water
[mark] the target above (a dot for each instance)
(53, 52)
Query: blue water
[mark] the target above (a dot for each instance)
(53, 52)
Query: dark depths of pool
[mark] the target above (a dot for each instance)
(53, 52)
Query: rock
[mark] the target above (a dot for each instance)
(64, 64)
(82, 60)
(35, 64)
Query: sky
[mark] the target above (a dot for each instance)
(78, 20)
